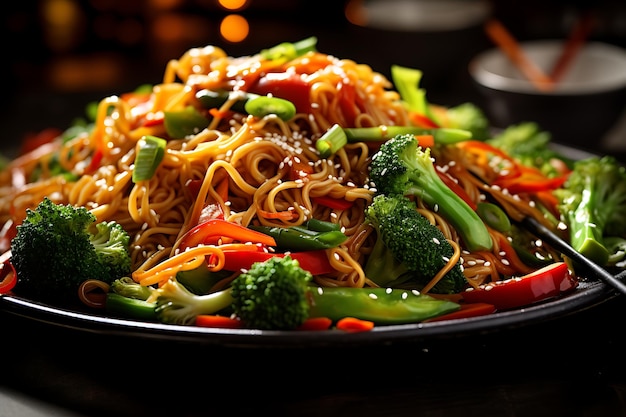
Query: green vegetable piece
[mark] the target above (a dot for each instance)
(443, 136)
(494, 216)
(128, 307)
(321, 225)
(264, 105)
(334, 139)
(297, 238)
(149, 156)
(180, 124)
(126, 287)
(287, 51)
(470, 117)
(216, 99)
(380, 305)
(200, 280)
(407, 81)
(177, 305)
(593, 202)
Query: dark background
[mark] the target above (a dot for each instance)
(60, 54)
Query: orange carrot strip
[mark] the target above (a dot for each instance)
(425, 141)
(501, 37)
(316, 323)
(353, 325)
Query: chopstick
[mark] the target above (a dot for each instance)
(507, 43)
(578, 35)
(547, 235)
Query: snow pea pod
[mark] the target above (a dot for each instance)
(302, 238)
(380, 305)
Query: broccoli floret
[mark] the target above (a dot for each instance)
(59, 246)
(401, 167)
(270, 295)
(408, 248)
(467, 116)
(592, 203)
(529, 145)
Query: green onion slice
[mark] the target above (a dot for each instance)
(151, 150)
(334, 139)
(264, 105)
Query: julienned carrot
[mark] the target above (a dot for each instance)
(213, 230)
(216, 321)
(507, 43)
(316, 323)
(425, 141)
(353, 325)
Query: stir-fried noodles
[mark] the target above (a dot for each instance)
(252, 170)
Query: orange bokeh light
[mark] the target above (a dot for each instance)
(233, 4)
(234, 28)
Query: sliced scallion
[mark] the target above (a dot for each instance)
(334, 139)
(150, 152)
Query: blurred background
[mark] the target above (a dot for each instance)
(61, 54)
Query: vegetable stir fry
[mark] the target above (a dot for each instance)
(292, 190)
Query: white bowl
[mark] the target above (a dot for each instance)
(582, 107)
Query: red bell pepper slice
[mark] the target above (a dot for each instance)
(547, 282)
(457, 189)
(354, 325)
(314, 261)
(333, 203)
(213, 230)
(466, 311)
(285, 85)
(529, 180)
(216, 321)
(8, 277)
(33, 141)
(349, 102)
(422, 120)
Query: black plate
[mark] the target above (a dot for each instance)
(589, 293)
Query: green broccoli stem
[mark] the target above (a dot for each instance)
(463, 218)
(177, 305)
(131, 308)
(380, 305)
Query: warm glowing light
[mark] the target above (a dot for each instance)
(356, 13)
(233, 4)
(63, 23)
(234, 28)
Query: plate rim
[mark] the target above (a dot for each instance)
(588, 294)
